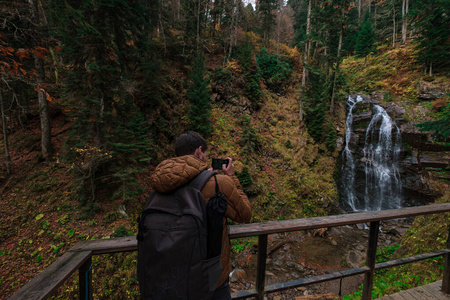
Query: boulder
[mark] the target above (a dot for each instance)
(236, 274)
(354, 259)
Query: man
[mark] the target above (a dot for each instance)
(190, 160)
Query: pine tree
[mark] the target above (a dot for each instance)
(274, 71)
(366, 39)
(106, 46)
(266, 9)
(431, 20)
(249, 69)
(316, 105)
(199, 95)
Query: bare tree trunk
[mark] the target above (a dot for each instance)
(279, 21)
(375, 17)
(46, 145)
(5, 134)
(236, 21)
(333, 94)
(233, 29)
(431, 68)
(359, 10)
(394, 31)
(305, 58)
(198, 25)
(405, 5)
(307, 44)
(278, 30)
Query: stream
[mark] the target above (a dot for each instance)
(298, 255)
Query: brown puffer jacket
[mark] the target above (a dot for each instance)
(174, 172)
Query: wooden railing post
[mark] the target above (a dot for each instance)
(446, 278)
(261, 266)
(85, 277)
(370, 262)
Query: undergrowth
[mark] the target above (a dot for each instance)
(427, 234)
(394, 71)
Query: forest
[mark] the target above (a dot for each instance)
(94, 92)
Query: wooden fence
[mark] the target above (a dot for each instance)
(80, 256)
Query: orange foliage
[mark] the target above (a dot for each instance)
(11, 63)
(439, 104)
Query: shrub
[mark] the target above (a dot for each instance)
(274, 70)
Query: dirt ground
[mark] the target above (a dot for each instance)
(299, 255)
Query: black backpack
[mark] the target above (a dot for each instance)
(173, 261)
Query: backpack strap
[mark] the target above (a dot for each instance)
(217, 185)
(201, 179)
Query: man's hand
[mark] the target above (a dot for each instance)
(228, 170)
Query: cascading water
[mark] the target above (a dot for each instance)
(348, 166)
(381, 152)
(383, 188)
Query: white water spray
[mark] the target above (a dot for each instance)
(383, 187)
(348, 167)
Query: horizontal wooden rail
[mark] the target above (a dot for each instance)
(79, 257)
(255, 229)
(48, 281)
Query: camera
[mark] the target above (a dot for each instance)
(218, 162)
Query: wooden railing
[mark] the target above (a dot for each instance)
(80, 256)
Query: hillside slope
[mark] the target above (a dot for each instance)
(285, 173)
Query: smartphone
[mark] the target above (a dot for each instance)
(218, 162)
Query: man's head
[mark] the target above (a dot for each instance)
(192, 143)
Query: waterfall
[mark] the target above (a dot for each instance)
(348, 166)
(382, 145)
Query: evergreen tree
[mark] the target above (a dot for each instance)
(103, 42)
(199, 95)
(195, 15)
(316, 105)
(366, 39)
(266, 10)
(431, 20)
(252, 89)
(274, 71)
(440, 126)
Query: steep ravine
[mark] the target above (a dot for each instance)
(424, 170)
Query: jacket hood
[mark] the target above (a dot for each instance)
(175, 172)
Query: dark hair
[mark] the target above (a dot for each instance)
(187, 142)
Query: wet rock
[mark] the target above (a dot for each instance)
(364, 116)
(299, 268)
(290, 264)
(429, 90)
(378, 96)
(360, 226)
(426, 97)
(354, 259)
(360, 248)
(340, 143)
(392, 231)
(268, 273)
(236, 274)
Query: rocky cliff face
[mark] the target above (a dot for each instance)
(424, 166)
